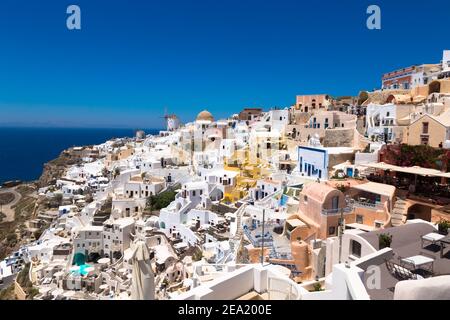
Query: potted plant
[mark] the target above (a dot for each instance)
(443, 226)
(384, 240)
(317, 287)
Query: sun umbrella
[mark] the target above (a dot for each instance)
(143, 281)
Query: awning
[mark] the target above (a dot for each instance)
(376, 188)
(426, 172)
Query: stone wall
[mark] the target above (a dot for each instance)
(339, 138)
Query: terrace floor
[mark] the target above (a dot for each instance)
(406, 242)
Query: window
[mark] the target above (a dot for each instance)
(424, 140)
(331, 230)
(335, 202)
(356, 248)
(387, 114)
(359, 219)
(425, 127)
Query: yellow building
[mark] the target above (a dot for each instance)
(429, 130)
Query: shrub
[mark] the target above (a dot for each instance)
(197, 256)
(384, 240)
(317, 287)
(443, 226)
(161, 200)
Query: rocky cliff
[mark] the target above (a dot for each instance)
(55, 168)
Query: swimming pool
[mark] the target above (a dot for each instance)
(82, 270)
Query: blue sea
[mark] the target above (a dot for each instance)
(23, 151)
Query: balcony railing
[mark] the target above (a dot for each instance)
(365, 204)
(337, 211)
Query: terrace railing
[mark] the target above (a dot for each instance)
(337, 211)
(257, 242)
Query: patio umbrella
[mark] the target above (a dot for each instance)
(143, 281)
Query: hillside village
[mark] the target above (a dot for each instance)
(293, 203)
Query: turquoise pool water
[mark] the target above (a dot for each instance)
(283, 200)
(82, 270)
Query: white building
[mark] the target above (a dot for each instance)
(88, 240)
(446, 61)
(265, 187)
(387, 121)
(117, 235)
(143, 188)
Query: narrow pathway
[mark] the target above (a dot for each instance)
(7, 209)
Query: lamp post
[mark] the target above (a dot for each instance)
(341, 232)
(262, 246)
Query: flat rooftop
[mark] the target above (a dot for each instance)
(406, 242)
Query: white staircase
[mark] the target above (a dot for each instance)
(399, 213)
(236, 241)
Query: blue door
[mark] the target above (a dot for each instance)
(350, 172)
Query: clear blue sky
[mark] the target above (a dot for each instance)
(133, 58)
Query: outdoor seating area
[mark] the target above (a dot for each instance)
(417, 253)
(400, 272)
(444, 242)
(411, 268)
(421, 181)
(437, 239)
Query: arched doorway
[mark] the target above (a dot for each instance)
(434, 87)
(419, 211)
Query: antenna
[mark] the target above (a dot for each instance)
(341, 233)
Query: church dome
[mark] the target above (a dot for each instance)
(205, 115)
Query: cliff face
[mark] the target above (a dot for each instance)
(50, 174)
(55, 169)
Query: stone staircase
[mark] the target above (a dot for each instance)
(236, 241)
(399, 212)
